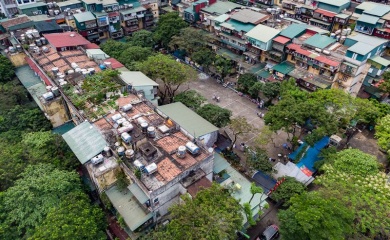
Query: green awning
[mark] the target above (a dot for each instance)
(220, 163)
(263, 73)
(85, 141)
(284, 67)
(138, 193)
(229, 54)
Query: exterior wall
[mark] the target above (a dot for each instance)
(56, 111)
(265, 46)
(71, 22)
(149, 91)
(209, 139)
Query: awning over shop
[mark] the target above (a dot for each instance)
(284, 67)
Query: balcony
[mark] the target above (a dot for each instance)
(364, 29)
(131, 23)
(274, 55)
(88, 26)
(348, 69)
(288, 6)
(234, 45)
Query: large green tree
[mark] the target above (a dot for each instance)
(190, 40)
(287, 189)
(315, 216)
(204, 56)
(26, 204)
(73, 218)
(223, 66)
(169, 72)
(257, 159)
(215, 114)
(239, 126)
(246, 81)
(382, 133)
(168, 25)
(134, 54)
(141, 38)
(191, 99)
(113, 48)
(7, 70)
(212, 214)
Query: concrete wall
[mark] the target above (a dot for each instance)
(56, 111)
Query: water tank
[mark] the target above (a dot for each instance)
(349, 30)
(181, 151)
(116, 117)
(55, 70)
(338, 31)
(151, 168)
(326, 52)
(32, 47)
(97, 159)
(138, 164)
(63, 83)
(74, 65)
(144, 127)
(102, 66)
(125, 129)
(333, 35)
(141, 120)
(38, 42)
(130, 154)
(48, 96)
(117, 144)
(91, 70)
(55, 91)
(77, 70)
(151, 132)
(35, 33)
(120, 121)
(107, 151)
(12, 49)
(121, 151)
(43, 40)
(45, 49)
(48, 88)
(192, 148)
(127, 107)
(344, 32)
(318, 49)
(70, 72)
(126, 137)
(19, 48)
(29, 36)
(126, 123)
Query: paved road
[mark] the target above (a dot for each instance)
(240, 106)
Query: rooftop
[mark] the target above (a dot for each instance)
(197, 186)
(361, 48)
(237, 26)
(319, 41)
(188, 119)
(380, 60)
(32, 5)
(222, 18)
(15, 21)
(325, 13)
(368, 19)
(43, 26)
(249, 16)
(128, 207)
(85, 141)
(136, 79)
(221, 7)
(337, 3)
(66, 39)
(263, 33)
(375, 9)
(115, 64)
(293, 30)
(283, 67)
(374, 41)
(68, 2)
(84, 17)
(281, 39)
(133, 10)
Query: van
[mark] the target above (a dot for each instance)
(270, 233)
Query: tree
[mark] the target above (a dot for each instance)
(113, 48)
(204, 57)
(289, 188)
(171, 73)
(354, 178)
(315, 216)
(220, 117)
(246, 81)
(257, 159)
(271, 89)
(7, 70)
(190, 40)
(239, 126)
(12, 163)
(265, 136)
(382, 133)
(385, 85)
(191, 99)
(12, 93)
(223, 66)
(134, 54)
(255, 89)
(141, 38)
(26, 204)
(212, 214)
(73, 218)
(254, 190)
(168, 25)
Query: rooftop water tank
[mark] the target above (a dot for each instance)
(97, 159)
(192, 148)
(144, 127)
(55, 70)
(121, 151)
(125, 129)
(12, 49)
(38, 42)
(43, 40)
(181, 151)
(141, 120)
(116, 117)
(19, 48)
(138, 164)
(127, 107)
(32, 47)
(130, 154)
(48, 96)
(63, 83)
(107, 151)
(74, 65)
(151, 168)
(70, 72)
(55, 91)
(48, 88)
(126, 137)
(35, 33)
(151, 132)
(45, 49)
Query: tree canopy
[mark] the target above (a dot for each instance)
(133, 55)
(142, 38)
(257, 159)
(168, 25)
(222, 66)
(191, 99)
(216, 115)
(239, 126)
(190, 40)
(287, 189)
(246, 81)
(212, 214)
(382, 133)
(7, 70)
(171, 73)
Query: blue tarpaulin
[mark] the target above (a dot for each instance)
(311, 155)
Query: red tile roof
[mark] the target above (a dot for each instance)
(35, 68)
(281, 39)
(293, 46)
(201, 184)
(91, 46)
(15, 21)
(66, 39)
(327, 61)
(114, 63)
(325, 13)
(307, 53)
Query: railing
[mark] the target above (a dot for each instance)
(243, 48)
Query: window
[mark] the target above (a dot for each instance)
(369, 55)
(354, 56)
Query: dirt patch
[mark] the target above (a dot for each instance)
(18, 59)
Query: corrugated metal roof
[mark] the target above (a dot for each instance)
(136, 79)
(263, 33)
(319, 41)
(374, 41)
(32, 5)
(220, 163)
(221, 7)
(372, 8)
(361, 48)
(83, 17)
(138, 193)
(337, 3)
(133, 10)
(284, 67)
(293, 30)
(238, 26)
(188, 119)
(128, 207)
(249, 16)
(382, 61)
(85, 141)
(368, 19)
(222, 18)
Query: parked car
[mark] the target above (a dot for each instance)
(270, 233)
